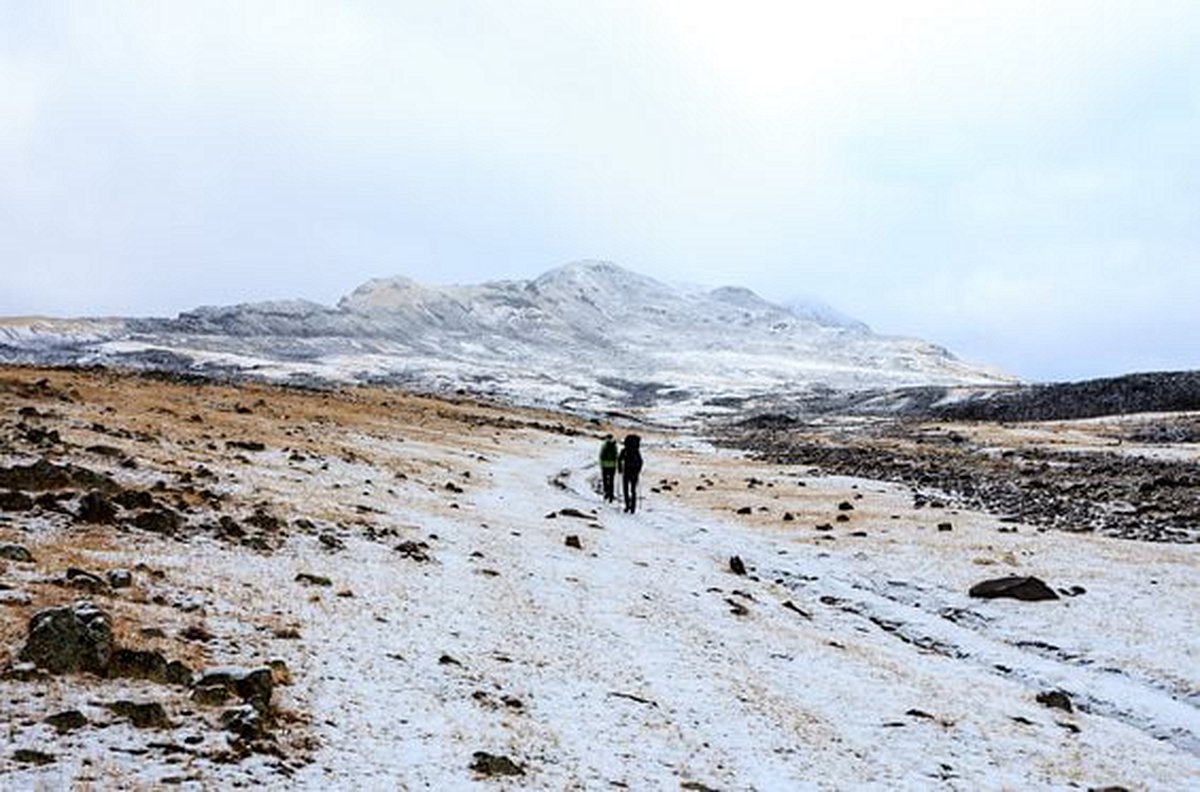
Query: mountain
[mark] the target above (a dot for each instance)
(589, 335)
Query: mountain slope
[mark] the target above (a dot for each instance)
(589, 334)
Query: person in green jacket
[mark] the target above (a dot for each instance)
(608, 466)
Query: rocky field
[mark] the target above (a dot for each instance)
(214, 585)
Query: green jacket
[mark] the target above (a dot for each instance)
(608, 454)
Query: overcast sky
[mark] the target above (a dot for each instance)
(1018, 181)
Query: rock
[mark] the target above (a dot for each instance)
(148, 664)
(119, 578)
(945, 526)
(313, 580)
(331, 542)
(134, 499)
(95, 508)
(15, 598)
(845, 506)
(43, 476)
(211, 695)
(246, 722)
(1013, 587)
(15, 501)
(280, 673)
(16, 552)
(30, 756)
(67, 721)
(573, 541)
(161, 521)
(788, 517)
(576, 513)
(414, 551)
(252, 685)
(245, 445)
(488, 764)
(70, 639)
(88, 581)
(22, 672)
(1056, 699)
(736, 566)
(143, 715)
(745, 510)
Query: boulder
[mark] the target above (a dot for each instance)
(119, 578)
(143, 715)
(15, 501)
(488, 764)
(1013, 587)
(15, 552)
(95, 508)
(70, 639)
(148, 664)
(252, 685)
(67, 721)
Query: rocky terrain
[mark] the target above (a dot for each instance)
(1121, 479)
(210, 584)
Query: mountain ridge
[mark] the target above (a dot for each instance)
(562, 338)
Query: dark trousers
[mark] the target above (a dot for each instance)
(629, 490)
(607, 477)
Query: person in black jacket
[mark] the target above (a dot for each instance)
(629, 465)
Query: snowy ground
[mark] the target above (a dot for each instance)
(847, 658)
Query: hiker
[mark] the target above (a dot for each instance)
(629, 464)
(608, 466)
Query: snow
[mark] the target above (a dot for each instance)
(630, 669)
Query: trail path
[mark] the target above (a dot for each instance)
(624, 664)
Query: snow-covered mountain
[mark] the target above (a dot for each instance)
(589, 335)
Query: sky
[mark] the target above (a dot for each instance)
(1017, 181)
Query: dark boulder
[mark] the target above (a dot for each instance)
(15, 552)
(252, 685)
(15, 501)
(70, 639)
(1056, 699)
(143, 715)
(488, 764)
(1019, 587)
(95, 508)
(161, 521)
(148, 664)
(67, 721)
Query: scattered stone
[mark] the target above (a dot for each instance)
(134, 499)
(824, 527)
(1018, 587)
(1073, 591)
(30, 756)
(22, 672)
(745, 510)
(845, 506)
(794, 608)
(70, 639)
(414, 551)
(573, 541)
(148, 664)
(736, 608)
(16, 552)
(67, 721)
(246, 722)
(448, 660)
(736, 565)
(15, 501)
(119, 578)
(88, 581)
(161, 521)
(488, 764)
(245, 445)
(452, 487)
(1056, 699)
(95, 508)
(44, 476)
(313, 580)
(252, 685)
(788, 517)
(211, 695)
(197, 633)
(280, 673)
(842, 518)
(146, 715)
(576, 513)
(696, 786)
(331, 542)
(945, 526)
